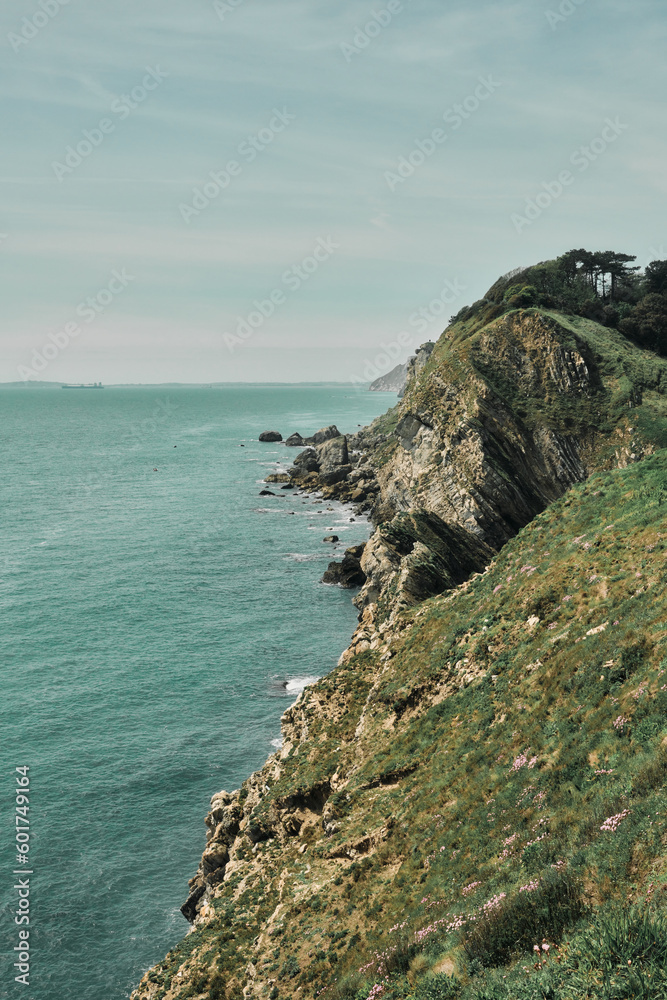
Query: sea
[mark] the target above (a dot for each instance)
(157, 618)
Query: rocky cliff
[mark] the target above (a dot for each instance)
(496, 423)
(398, 378)
(393, 381)
(438, 806)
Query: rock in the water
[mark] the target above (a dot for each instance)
(266, 493)
(277, 477)
(347, 573)
(331, 538)
(295, 441)
(324, 434)
(287, 486)
(270, 436)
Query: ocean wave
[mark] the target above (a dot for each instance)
(277, 743)
(302, 557)
(295, 685)
(290, 687)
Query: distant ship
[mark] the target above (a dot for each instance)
(83, 385)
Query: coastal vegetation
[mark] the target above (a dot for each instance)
(600, 285)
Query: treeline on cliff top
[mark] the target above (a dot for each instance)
(600, 285)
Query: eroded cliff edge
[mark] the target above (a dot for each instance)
(311, 860)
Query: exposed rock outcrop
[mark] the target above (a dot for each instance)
(270, 436)
(393, 381)
(493, 427)
(347, 573)
(416, 364)
(324, 434)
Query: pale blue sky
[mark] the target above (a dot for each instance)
(551, 83)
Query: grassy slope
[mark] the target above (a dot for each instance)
(530, 749)
(624, 374)
(627, 380)
(492, 749)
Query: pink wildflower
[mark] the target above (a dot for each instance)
(493, 903)
(612, 824)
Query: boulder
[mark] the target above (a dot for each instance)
(277, 477)
(324, 434)
(189, 908)
(214, 857)
(336, 475)
(270, 436)
(347, 573)
(295, 441)
(266, 493)
(307, 461)
(331, 538)
(332, 454)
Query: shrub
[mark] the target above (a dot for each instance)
(217, 989)
(290, 968)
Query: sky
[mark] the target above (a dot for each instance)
(291, 190)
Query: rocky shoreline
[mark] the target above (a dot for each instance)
(335, 467)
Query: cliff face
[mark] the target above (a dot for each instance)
(393, 381)
(496, 423)
(437, 767)
(398, 378)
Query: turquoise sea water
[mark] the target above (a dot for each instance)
(149, 620)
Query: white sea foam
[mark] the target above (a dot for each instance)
(295, 685)
(277, 743)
